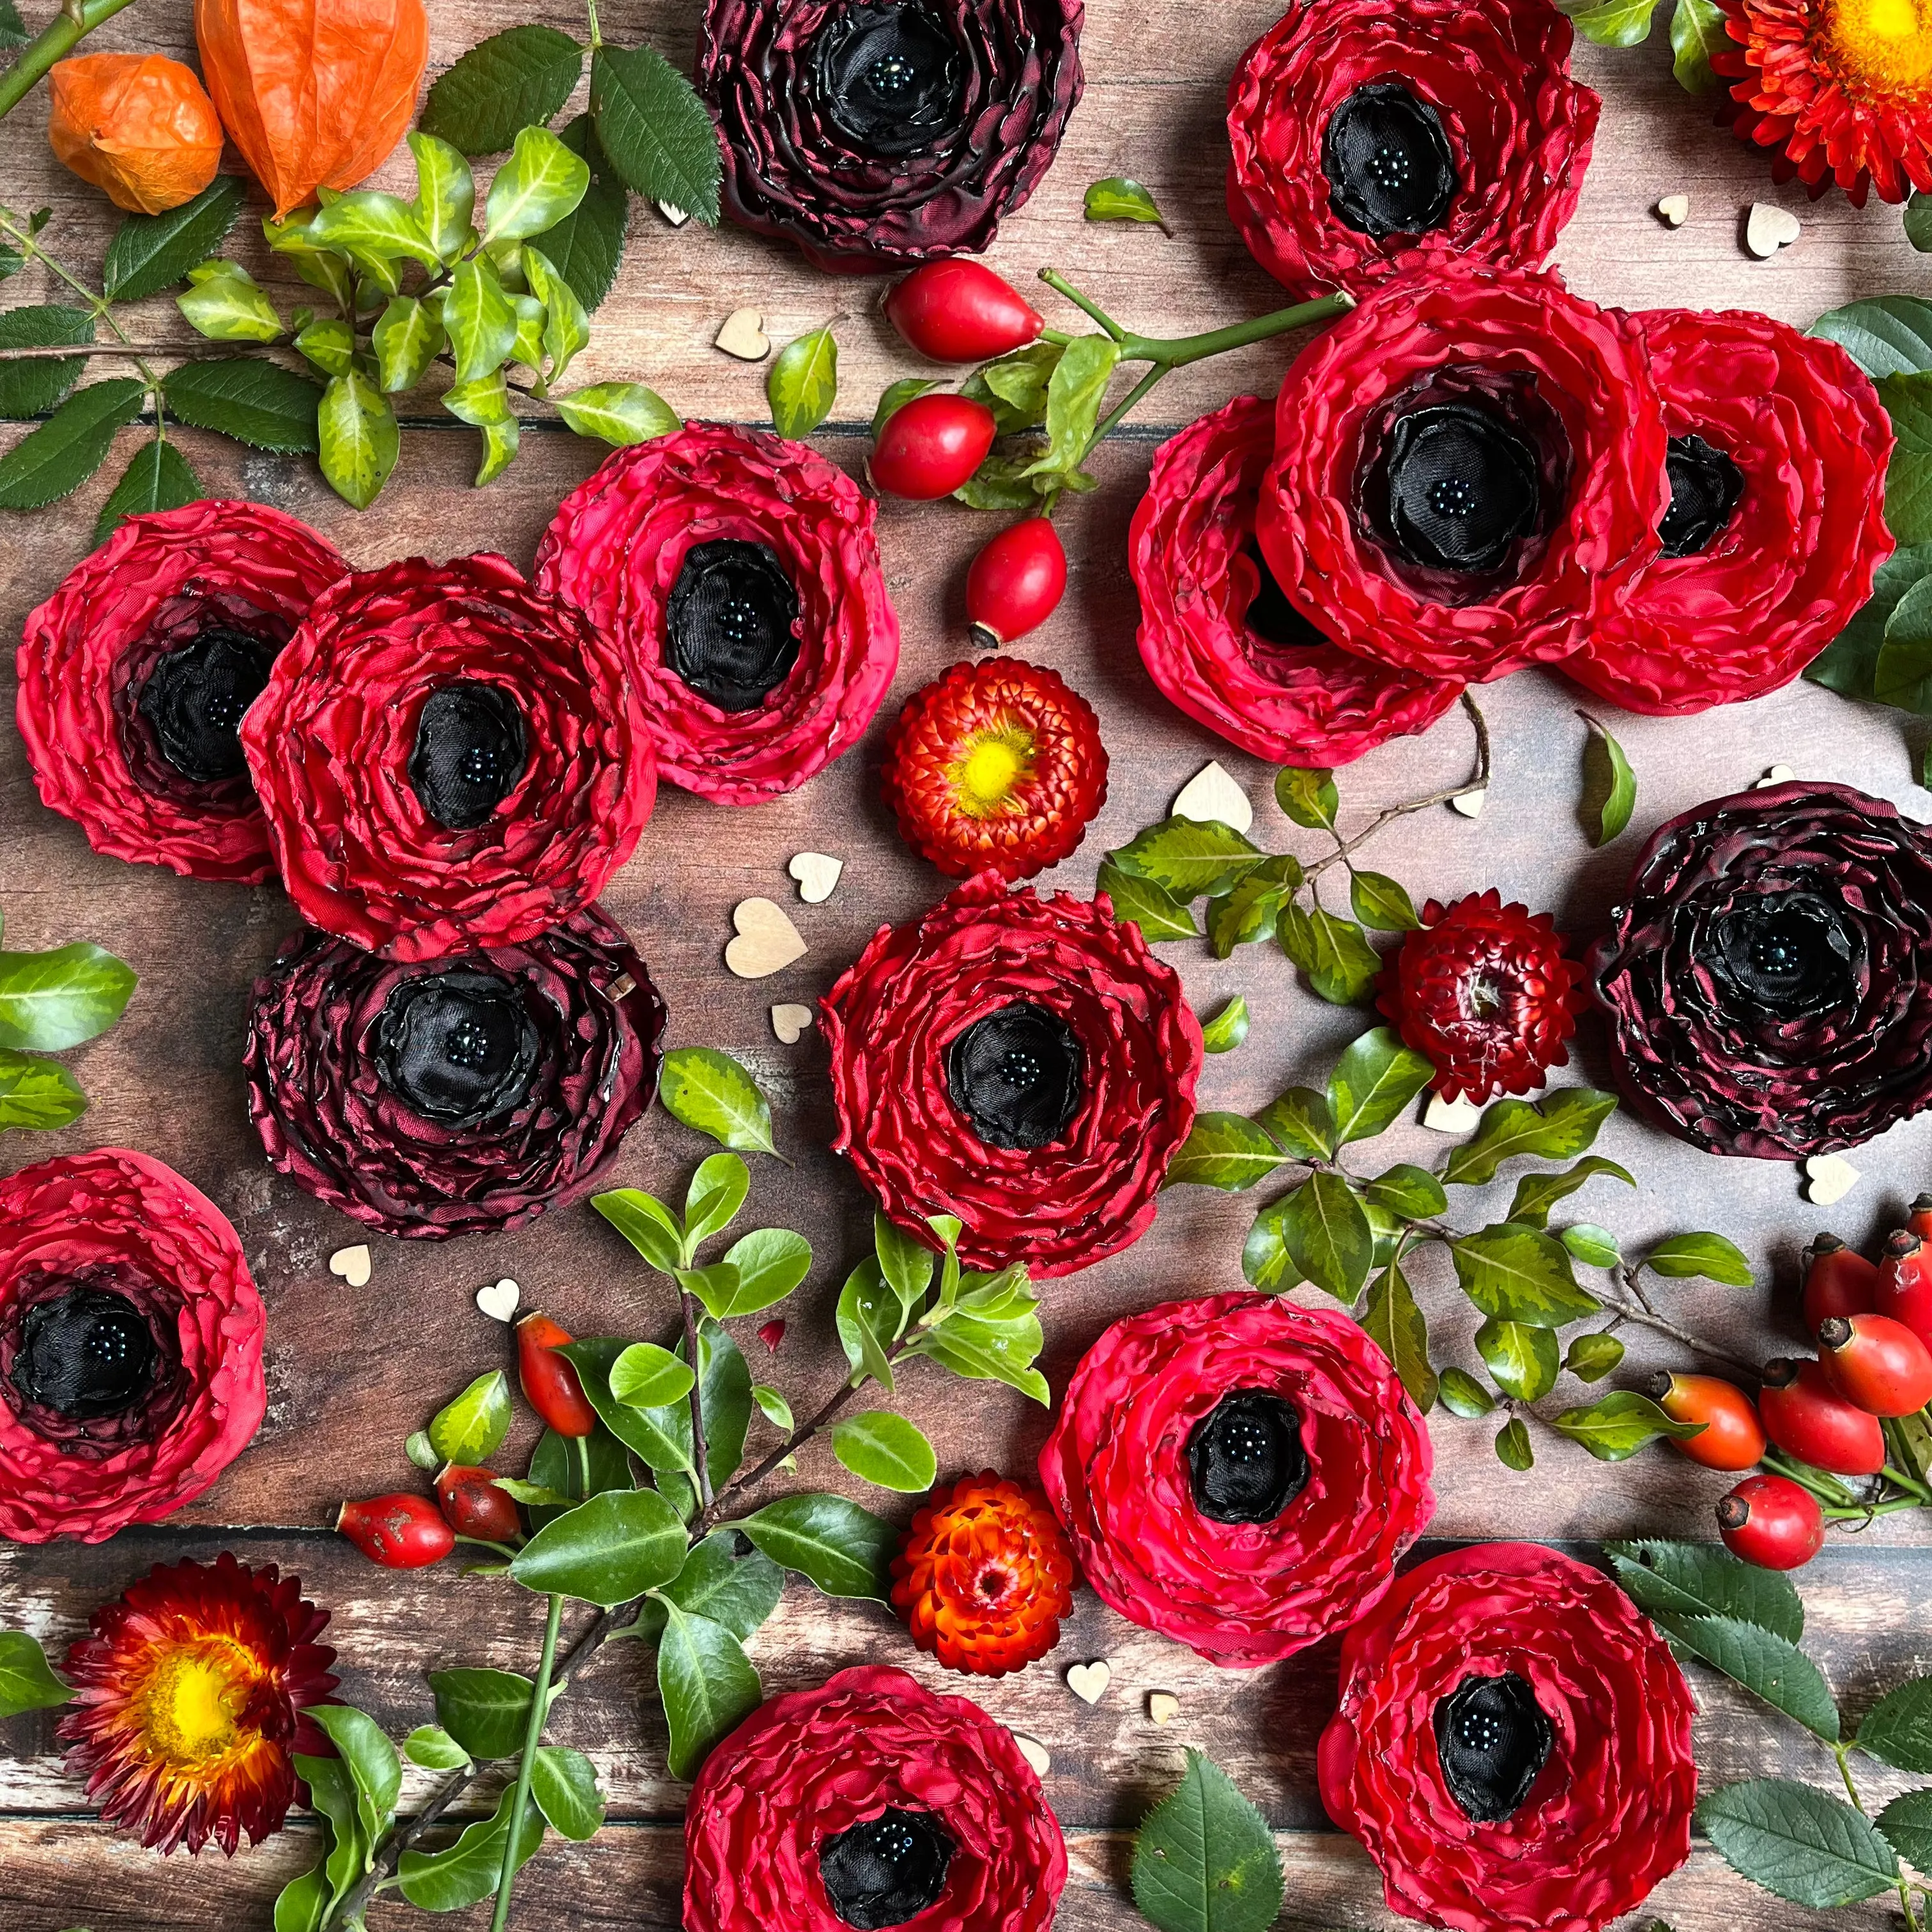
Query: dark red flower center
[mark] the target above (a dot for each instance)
(193, 698)
(890, 77)
(1387, 160)
(1791, 953)
(1018, 1075)
(993, 1584)
(1246, 1460)
(1705, 487)
(457, 1045)
(731, 622)
(468, 754)
(1492, 1739)
(887, 1871)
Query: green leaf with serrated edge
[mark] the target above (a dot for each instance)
(1205, 1860)
(566, 329)
(1141, 902)
(1798, 1842)
(1118, 199)
(587, 245)
(645, 1376)
(1559, 1127)
(36, 383)
(1615, 1426)
(655, 129)
(710, 1091)
(1373, 1083)
(1536, 1194)
(486, 1711)
(1697, 31)
(1014, 387)
(1001, 483)
(1382, 902)
(646, 1223)
(1341, 964)
(1708, 1256)
(12, 29)
(1462, 1395)
(802, 383)
(39, 1094)
(471, 1429)
(905, 1262)
(430, 1747)
(1699, 1579)
(406, 339)
(1906, 1824)
(712, 1199)
(618, 413)
(1223, 1150)
(448, 1881)
(50, 1001)
(230, 307)
(1847, 664)
(1591, 1358)
(707, 1684)
(768, 1263)
(255, 401)
(151, 252)
(1265, 1263)
(1074, 393)
(480, 318)
(1590, 1244)
(1902, 672)
(564, 1783)
(1328, 1235)
(739, 1592)
(27, 1681)
(1516, 1273)
(1523, 1359)
(605, 1552)
(844, 1550)
(870, 1319)
(541, 183)
(1227, 1028)
(1413, 1192)
(559, 1464)
(1898, 1728)
(1393, 1322)
(1513, 1448)
(372, 1763)
(885, 1449)
(1610, 23)
(1308, 795)
(54, 461)
(329, 345)
(1908, 482)
(1609, 785)
(359, 440)
(512, 80)
(772, 1406)
(1301, 1122)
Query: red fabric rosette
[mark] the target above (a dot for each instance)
(871, 1794)
(131, 1346)
(1239, 1473)
(1025, 1063)
(453, 1097)
(1776, 465)
(740, 575)
(1468, 472)
(1512, 1744)
(1216, 634)
(135, 673)
(448, 758)
(1368, 139)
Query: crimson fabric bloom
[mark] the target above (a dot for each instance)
(131, 1346)
(1776, 465)
(870, 1802)
(447, 758)
(1024, 1063)
(453, 1097)
(996, 765)
(1216, 634)
(1485, 991)
(191, 1698)
(135, 673)
(1768, 975)
(740, 575)
(877, 132)
(1367, 139)
(1468, 472)
(1239, 1473)
(1512, 1744)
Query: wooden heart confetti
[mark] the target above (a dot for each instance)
(1778, 775)
(1089, 1682)
(1451, 1116)
(1163, 1707)
(767, 941)
(788, 1022)
(1768, 228)
(1035, 1752)
(1829, 1178)
(743, 336)
(1470, 803)
(500, 1300)
(1674, 210)
(1211, 794)
(352, 1264)
(817, 875)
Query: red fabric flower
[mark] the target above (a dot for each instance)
(1468, 472)
(1484, 990)
(1512, 1744)
(871, 1793)
(1024, 1063)
(888, 131)
(740, 574)
(1778, 450)
(453, 1097)
(449, 759)
(1217, 635)
(1239, 1473)
(135, 673)
(996, 765)
(1368, 140)
(131, 1346)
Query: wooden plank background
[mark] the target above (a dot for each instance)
(350, 1373)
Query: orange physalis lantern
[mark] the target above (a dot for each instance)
(137, 125)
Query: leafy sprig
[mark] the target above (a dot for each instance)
(1205, 1860)
(1697, 31)
(49, 1002)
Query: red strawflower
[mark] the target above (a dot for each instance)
(1840, 89)
(135, 673)
(1368, 139)
(983, 1576)
(1239, 1473)
(131, 1346)
(995, 766)
(1217, 635)
(1468, 472)
(1512, 1744)
(191, 1698)
(1024, 1063)
(1777, 466)
(1485, 991)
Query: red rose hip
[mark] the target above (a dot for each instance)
(956, 311)
(1807, 1417)
(1732, 1438)
(1904, 1291)
(473, 1505)
(400, 1532)
(1838, 1281)
(550, 1383)
(1016, 583)
(1769, 1520)
(1919, 1221)
(1876, 1363)
(930, 445)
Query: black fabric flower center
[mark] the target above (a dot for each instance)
(457, 1046)
(1245, 1459)
(1791, 953)
(1387, 160)
(1492, 1739)
(890, 77)
(1270, 616)
(1460, 487)
(1705, 487)
(87, 1353)
(887, 1871)
(731, 622)
(194, 698)
(469, 752)
(1018, 1075)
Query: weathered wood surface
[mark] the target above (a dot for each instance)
(350, 1373)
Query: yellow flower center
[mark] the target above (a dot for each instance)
(984, 777)
(189, 1708)
(1881, 49)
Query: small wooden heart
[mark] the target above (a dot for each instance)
(1778, 775)
(1674, 210)
(767, 941)
(500, 1300)
(743, 336)
(1451, 1116)
(1089, 1682)
(1829, 1178)
(1163, 1707)
(1470, 803)
(1768, 228)
(788, 1022)
(1035, 1752)
(352, 1264)
(817, 875)
(1211, 794)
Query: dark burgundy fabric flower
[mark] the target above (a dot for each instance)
(1369, 139)
(870, 1802)
(740, 575)
(1216, 634)
(1468, 472)
(1239, 1473)
(1512, 1744)
(877, 132)
(1777, 465)
(135, 673)
(1769, 977)
(453, 1097)
(131, 1346)
(1024, 1063)
(449, 759)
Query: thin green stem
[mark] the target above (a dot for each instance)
(1176, 353)
(596, 32)
(1113, 421)
(98, 306)
(533, 1734)
(70, 26)
(1843, 1753)
(1910, 1484)
(1055, 281)
(583, 1465)
(483, 1542)
(700, 1454)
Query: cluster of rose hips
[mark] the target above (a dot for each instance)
(1873, 1323)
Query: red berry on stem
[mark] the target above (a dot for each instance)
(400, 1532)
(1733, 1438)
(1016, 583)
(472, 1505)
(1769, 1520)
(1919, 1221)
(1905, 1283)
(1838, 1280)
(930, 445)
(1807, 1417)
(1876, 1363)
(956, 311)
(550, 1382)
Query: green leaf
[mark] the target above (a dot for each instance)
(1341, 964)
(329, 345)
(1223, 1150)
(1704, 1580)
(1558, 1128)
(1848, 664)
(1906, 1824)
(576, 1467)
(373, 1765)
(564, 1783)
(1328, 1235)
(895, 398)
(655, 129)
(1609, 785)
(739, 1592)
(1412, 1192)
(541, 182)
(486, 1711)
(1015, 387)
(1801, 1843)
(430, 1747)
(1382, 902)
(566, 329)
(1301, 1121)
(803, 384)
(1897, 1729)
(151, 252)
(1536, 1194)
(1462, 1395)
(319, 267)
(716, 1192)
(1908, 483)
(13, 31)
(708, 1686)
(359, 441)
(1118, 198)
(1393, 1322)
(50, 1001)
(1610, 23)
(905, 1262)
(768, 1263)
(772, 1406)
(1250, 909)
(255, 401)
(845, 1550)
(1902, 671)
(1522, 1359)
(646, 1223)
(512, 80)
(229, 306)
(1710, 1256)
(1615, 1426)
(586, 246)
(606, 1551)
(448, 1881)
(1141, 902)
(618, 413)
(645, 1376)
(724, 1392)
(1513, 1448)
(1697, 31)
(1591, 1358)
(1205, 1860)
(36, 383)
(37, 1093)
(406, 339)
(27, 1682)
(303, 1903)
(1308, 796)
(445, 199)
(1886, 335)
(1596, 1246)
(886, 1449)
(710, 1091)
(1227, 1028)
(471, 1429)
(1373, 1084)
(332, 1796)
(870, 1319)
(481, 319)
(1075, 392)
(1003, 483)
(1515, 1273)
(374, 228)
(1187, 857)
(990, 1351)
(54, 461)
(1264, 1256)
